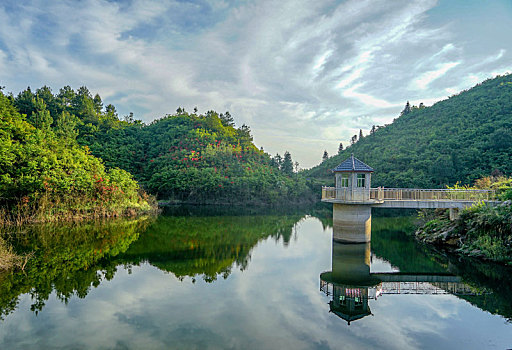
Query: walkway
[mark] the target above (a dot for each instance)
(407, 197)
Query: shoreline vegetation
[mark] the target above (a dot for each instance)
(482, 231)
(66, 157)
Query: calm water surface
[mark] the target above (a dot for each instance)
(246, 282)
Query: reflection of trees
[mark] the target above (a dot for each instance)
(68, 259)
(486, 276)
(206, 245)
(392, 240)
(71, 259)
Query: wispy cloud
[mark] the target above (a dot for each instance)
(291, 70)
(423, 81)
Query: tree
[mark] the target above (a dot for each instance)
(244, 132)
(98, 103)
(227, 119)
(325, 156)
(353, 140)
(40, 117)
(340, 148)
(110, 112)
(45, 93)
(65, 97)
(361, 134)
(287, 166)
(407, 109)
(277, 161)
(372, 131)
(65, 126)
(129, 118)
(24, 102)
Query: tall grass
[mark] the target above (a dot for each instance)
(47, 209)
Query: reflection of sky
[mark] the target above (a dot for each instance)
(274, 304)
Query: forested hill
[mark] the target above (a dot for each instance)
(461, 139)
(45, 175)
(182, 156)
(200, 158)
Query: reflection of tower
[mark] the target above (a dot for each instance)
(349, 281)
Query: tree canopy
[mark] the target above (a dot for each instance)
(463, 138)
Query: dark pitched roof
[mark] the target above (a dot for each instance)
(353, 164)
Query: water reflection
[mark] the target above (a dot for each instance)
(351, 285)
(69, 259)
(206, 246)
(256, 285)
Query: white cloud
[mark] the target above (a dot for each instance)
(423, 81)
(300, 70)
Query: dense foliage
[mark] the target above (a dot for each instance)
(481, 231)
(184, 156)
(200, 158)
(462, 139)
(45, 174)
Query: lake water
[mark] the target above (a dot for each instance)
(204, 280)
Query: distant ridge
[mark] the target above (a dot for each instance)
(463, 138)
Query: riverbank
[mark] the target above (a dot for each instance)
(481, 231)
(71, 211)
(74, 209)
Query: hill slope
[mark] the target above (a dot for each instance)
(184, 156)
(199, 158)
(461, 139)
(45, 175)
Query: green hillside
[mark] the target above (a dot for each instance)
(45, 175)
(200, 158)
(463, 138)
(191, 157)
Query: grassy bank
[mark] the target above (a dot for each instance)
(55, 209)
(481, 231)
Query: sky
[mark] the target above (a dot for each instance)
(304, 75)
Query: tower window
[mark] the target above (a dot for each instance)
(361, 180)
(344, 180)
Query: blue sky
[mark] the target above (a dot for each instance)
(304, 75)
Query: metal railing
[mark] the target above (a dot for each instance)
(380, 194)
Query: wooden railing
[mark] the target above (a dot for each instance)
(381, 194)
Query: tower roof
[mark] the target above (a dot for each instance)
(353, 164)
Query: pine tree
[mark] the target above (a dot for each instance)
(226, 119)
(407, 109)
(287, 166)
(340, 148)
(325, 156)
(360, 134)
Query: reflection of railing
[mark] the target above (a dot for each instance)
(427, 288)
(455, 288)
(381, 194)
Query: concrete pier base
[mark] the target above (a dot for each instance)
(352, 223)
(454, 213)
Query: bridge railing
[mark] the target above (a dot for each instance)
(381, 194)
